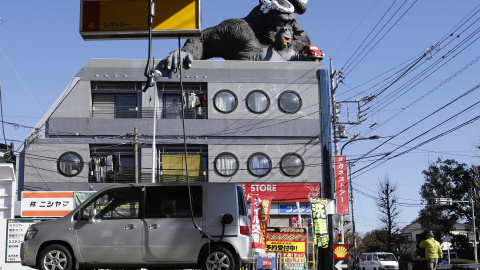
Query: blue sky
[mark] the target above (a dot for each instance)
(42, 50)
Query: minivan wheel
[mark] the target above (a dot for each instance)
(218, 258)
(55, 257)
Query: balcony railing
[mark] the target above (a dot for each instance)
(109, 112)
(129, 177)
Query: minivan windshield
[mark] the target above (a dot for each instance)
(386, 257)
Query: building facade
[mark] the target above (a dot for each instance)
(265, 125)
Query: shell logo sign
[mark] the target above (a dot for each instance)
(340, 252)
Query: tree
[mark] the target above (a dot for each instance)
(376, 240)
(387, 205)
(448, 179)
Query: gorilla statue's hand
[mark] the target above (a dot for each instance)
(171, 61)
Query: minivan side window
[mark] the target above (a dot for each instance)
(172, 202)
(369, 257)
(115, 204)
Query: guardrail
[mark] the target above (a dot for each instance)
(463, 265)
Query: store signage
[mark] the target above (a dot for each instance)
(320, 225)
(47, 203)
(128, 19)
(341, 185)
(267, 260)
(292, 209)
(293, 240)
(283, 192)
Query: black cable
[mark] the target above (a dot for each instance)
(371, 31)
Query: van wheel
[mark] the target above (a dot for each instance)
(218, 258)
(55, 257)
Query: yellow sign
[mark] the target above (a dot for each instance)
(128, 19)
(284, 246)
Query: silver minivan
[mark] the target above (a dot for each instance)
(201, 225)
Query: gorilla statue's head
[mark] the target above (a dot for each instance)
(284, 6)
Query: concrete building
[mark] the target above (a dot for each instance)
(265, 125)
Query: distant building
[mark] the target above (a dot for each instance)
(265, 125)
(412, 232)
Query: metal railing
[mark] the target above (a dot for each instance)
(109, 112)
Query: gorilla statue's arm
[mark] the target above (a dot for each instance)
(230, 40)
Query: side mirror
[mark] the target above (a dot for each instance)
(91, 216)
(227, 219)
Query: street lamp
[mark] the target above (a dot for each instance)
(374, 137)
(351, 195)
(449, 201)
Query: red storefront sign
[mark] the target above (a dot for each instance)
(283, 192)
(341, 187)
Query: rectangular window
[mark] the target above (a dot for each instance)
(172, 202)
(115, 100)
(115, 204)
(172, 166)
(114, 106)
(111, 164)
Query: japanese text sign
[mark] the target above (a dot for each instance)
(320, 225)
(341, 185)
(267, 261)
(47, 203)
(292, 240)
(260, 213)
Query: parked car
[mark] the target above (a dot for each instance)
(378, 261)
(453, 257)
(146, 226)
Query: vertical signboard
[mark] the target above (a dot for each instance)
(341, 185)
(320, 223)
(340, 257)
(258, 226)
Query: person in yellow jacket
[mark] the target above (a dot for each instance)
(433, 251)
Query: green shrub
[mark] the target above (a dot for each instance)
(462, 261)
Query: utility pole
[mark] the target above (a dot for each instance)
(135, 135)
(333, 77)
(353, 217)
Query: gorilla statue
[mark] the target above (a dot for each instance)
(269, 33)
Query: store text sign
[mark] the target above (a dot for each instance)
(47, 203)
(286, 240)
(341, 185)
(283, 192)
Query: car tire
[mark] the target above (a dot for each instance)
(217, 258)
(55, 257)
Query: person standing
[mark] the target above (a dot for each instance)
(433, 251)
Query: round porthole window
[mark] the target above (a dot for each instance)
(292, 164)
(259, 164)
(258, 101)
(226, 164)
(225, 101)
(70, 164)
(289, 102)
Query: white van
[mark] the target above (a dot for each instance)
(378, 261)
(146, 226)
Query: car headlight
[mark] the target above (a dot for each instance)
(30, 234)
